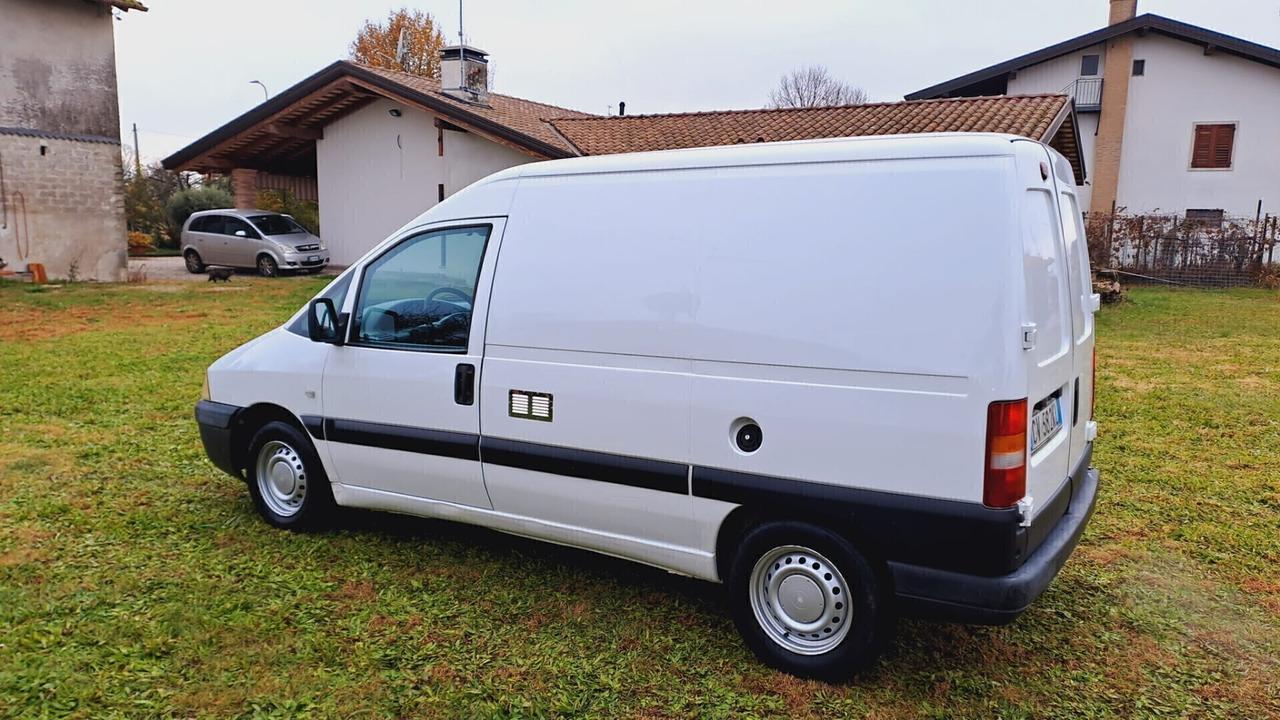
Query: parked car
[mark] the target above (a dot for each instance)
(847, 378)
(268, 241)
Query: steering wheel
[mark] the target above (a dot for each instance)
(461, 294)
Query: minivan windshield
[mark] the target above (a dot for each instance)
(276, 224)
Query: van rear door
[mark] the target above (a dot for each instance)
(1047, 337)
(1083, 306)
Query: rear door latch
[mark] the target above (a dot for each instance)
(1028, 335)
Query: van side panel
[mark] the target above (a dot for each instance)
(859, 314)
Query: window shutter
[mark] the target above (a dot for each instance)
(1213, 146)
(1204, 141)
(1224, 138)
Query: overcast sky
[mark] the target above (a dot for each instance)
(185, 66)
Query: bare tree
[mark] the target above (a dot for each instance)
(814, 86)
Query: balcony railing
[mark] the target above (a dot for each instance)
(1087, 93)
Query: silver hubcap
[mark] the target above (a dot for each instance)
(282, 479)
(800, 599)
(266, 267)
(193, 263)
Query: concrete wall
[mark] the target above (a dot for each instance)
(57, 67)
(376, 172)
(1182, 86)
(63, 208)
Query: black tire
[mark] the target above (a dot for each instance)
(195, 265)
(316, 506)
(267, 266)
(869, 616)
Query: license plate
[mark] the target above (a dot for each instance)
(1046, 421)
(313, 258)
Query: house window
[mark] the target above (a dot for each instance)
(1213, 146)
(1088, 65)
(1205, 217)
(1139, 68)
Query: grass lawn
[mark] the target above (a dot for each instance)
(136, 580)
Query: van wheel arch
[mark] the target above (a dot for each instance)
(744, 518)
(251, 419)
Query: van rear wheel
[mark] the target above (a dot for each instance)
(286, 480)
(195, 265)
(807, 602)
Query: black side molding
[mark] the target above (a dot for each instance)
(314, 425)
(657, 475)
(445, 443)
(961, 536)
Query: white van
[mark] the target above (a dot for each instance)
(847, 378)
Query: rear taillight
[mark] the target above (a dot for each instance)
(1093, 384)
(1005, 480)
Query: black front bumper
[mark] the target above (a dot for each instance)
(216, 421)
(960, 597)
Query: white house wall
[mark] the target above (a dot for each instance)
(1053, 76)
(376, 172)
(1182, 86)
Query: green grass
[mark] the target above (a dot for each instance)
(136, 581)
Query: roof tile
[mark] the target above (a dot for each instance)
(1027, 115)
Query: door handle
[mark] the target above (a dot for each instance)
(464, 384)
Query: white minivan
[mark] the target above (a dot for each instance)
(847, 378)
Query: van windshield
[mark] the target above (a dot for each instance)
(276, 224)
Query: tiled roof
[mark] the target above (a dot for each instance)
(1031, 116)
(524, 116)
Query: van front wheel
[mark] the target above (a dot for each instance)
(807, 602)
(286, 480)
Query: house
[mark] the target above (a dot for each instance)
(61, 184)
(1173, 118)
(377, 147)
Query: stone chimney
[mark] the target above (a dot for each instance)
(464, 73)
(1115, 99)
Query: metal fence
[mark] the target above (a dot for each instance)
(1177, 250)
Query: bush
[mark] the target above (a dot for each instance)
(140, 243)
(184, 202)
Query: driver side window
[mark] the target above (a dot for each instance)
(418, 295)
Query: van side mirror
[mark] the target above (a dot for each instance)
(241, 233)
(324, 324)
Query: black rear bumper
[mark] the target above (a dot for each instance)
(959, 597)
(216, 421)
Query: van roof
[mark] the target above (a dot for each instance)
(880, 147)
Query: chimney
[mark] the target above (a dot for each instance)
(622, 108)
(1122, 10)
(464, 73)
(1109, 142)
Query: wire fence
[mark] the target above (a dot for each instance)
(1214, 251)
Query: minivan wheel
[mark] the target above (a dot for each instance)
(267, 266)
(286, 480)
(195, 265)
(807, 602)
